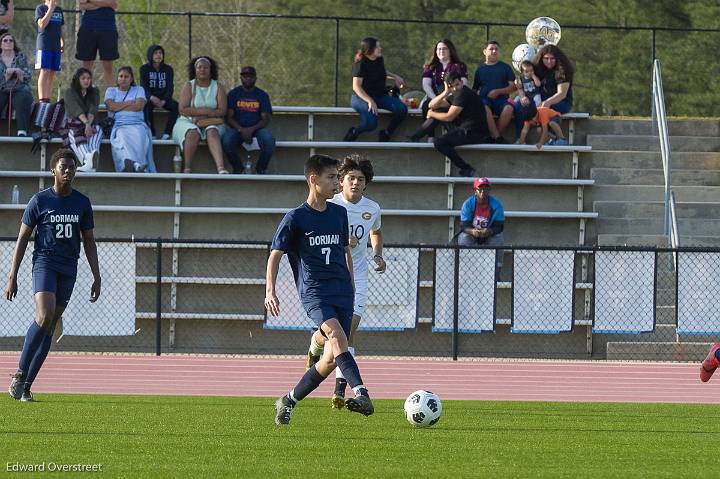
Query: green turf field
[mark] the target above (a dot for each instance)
(162, 436)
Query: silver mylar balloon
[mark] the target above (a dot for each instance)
(541, 31)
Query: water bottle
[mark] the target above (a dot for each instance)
(177, 163)
(248, 165)
(15, 196)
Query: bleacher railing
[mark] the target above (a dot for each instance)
(199, 297)
(262, 39)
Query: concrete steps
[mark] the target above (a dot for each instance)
(679, 127)
(654, 209)
(626, 142)
(654, 226)
(636, 176)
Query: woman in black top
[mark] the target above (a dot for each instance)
(369, 75)
(556, 72)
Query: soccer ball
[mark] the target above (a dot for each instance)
(423, 408)
(541, 31)
(521, 53)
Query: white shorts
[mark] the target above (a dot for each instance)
(361, 288)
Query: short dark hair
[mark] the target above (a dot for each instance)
(355, 161)
(453, 75)
(492, 42)
(317, 164)
(60, 154)
(528, 111)
(527, 63)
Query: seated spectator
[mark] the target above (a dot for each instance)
(528, 85)
(98, 36)
(543, 117)
(556, 73)
(369, 75)
(157, 77)
(482, 219)
(131, 140)
(467, 110)
(7, 12)
(248, 115)
(83, 134)
(494, 81)
(203, 104)
(49, 19)
(15, 76)
(443, 59)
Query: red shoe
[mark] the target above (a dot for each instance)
(710, 364)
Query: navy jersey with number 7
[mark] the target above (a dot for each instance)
(58, 222)
(315, 243)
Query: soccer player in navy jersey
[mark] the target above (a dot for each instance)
(60, 217)
(315, 237)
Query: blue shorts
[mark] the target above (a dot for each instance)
(47, 60)
(47, 280)
(322, 312)
(497, 104)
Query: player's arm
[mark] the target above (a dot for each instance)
(544, 135)
(272, 303)
(92, 258)
(18, 254)
(448, 116)
(376, 242)
(349, 261)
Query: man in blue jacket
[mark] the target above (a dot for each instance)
(482, 219)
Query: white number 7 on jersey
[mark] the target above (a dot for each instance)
(326, 252)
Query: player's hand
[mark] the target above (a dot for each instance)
(399, 81)
(538, 145)
(379, 264)
(272, 304)
(95, 290)
(11, 289)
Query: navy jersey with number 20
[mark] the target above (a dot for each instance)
(315, 243)
(59, 221)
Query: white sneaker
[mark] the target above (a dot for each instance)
(165, 136)
(87, 165)
(22, 133)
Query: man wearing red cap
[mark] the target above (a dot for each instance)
(482, 219)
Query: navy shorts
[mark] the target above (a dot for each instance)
(91, 42)
(47, 280)
(497, 104)
(322, 312)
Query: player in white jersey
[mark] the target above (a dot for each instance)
(364, 222)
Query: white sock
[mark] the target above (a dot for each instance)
(358, 388)
(291, 395)
(315, 348)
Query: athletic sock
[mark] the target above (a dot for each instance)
(346, 363)
(39, 358)
(340, 381)
(307, 384)
(33, 339)
(315, 348)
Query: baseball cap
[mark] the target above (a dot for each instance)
(480, 182)
(248, 71)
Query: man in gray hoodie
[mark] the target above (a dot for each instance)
(156, 77)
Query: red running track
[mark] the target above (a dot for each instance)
(509, 380)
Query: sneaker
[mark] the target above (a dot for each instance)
(141, 168)
(383, 136)
(500, 141)
(26, 394)
(17, 385)
(22, 133)
(311, 360)
(351, 135)
(550, 142)
(709, 365)
(337, 401)
(129, 166)
(361, 404)
(283, 410)
(165, 136)
(560, 142)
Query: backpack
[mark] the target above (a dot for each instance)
(49, 117)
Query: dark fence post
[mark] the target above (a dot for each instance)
(653, 45)
(337, 57)
(158, 297)
(456, 300)
(189, 15)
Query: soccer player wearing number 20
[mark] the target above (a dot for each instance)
(315, 237)
(62, 218)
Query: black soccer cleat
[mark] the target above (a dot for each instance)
(283, 411)
(361, 404)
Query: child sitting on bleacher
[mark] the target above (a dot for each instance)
(544, 117)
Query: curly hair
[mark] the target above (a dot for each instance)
(433, 60)
(564, 69)
(355, 161)
(60, 154)
(213, 67)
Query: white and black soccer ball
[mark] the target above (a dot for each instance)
(423, 408)
(521, 53)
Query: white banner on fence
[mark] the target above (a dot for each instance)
(698, 293)
(476, 292)
(624, 292)
(391, 303)
(112, 315)
(543, 291)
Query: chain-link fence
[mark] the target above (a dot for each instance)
(441, 301)
(306, 60)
